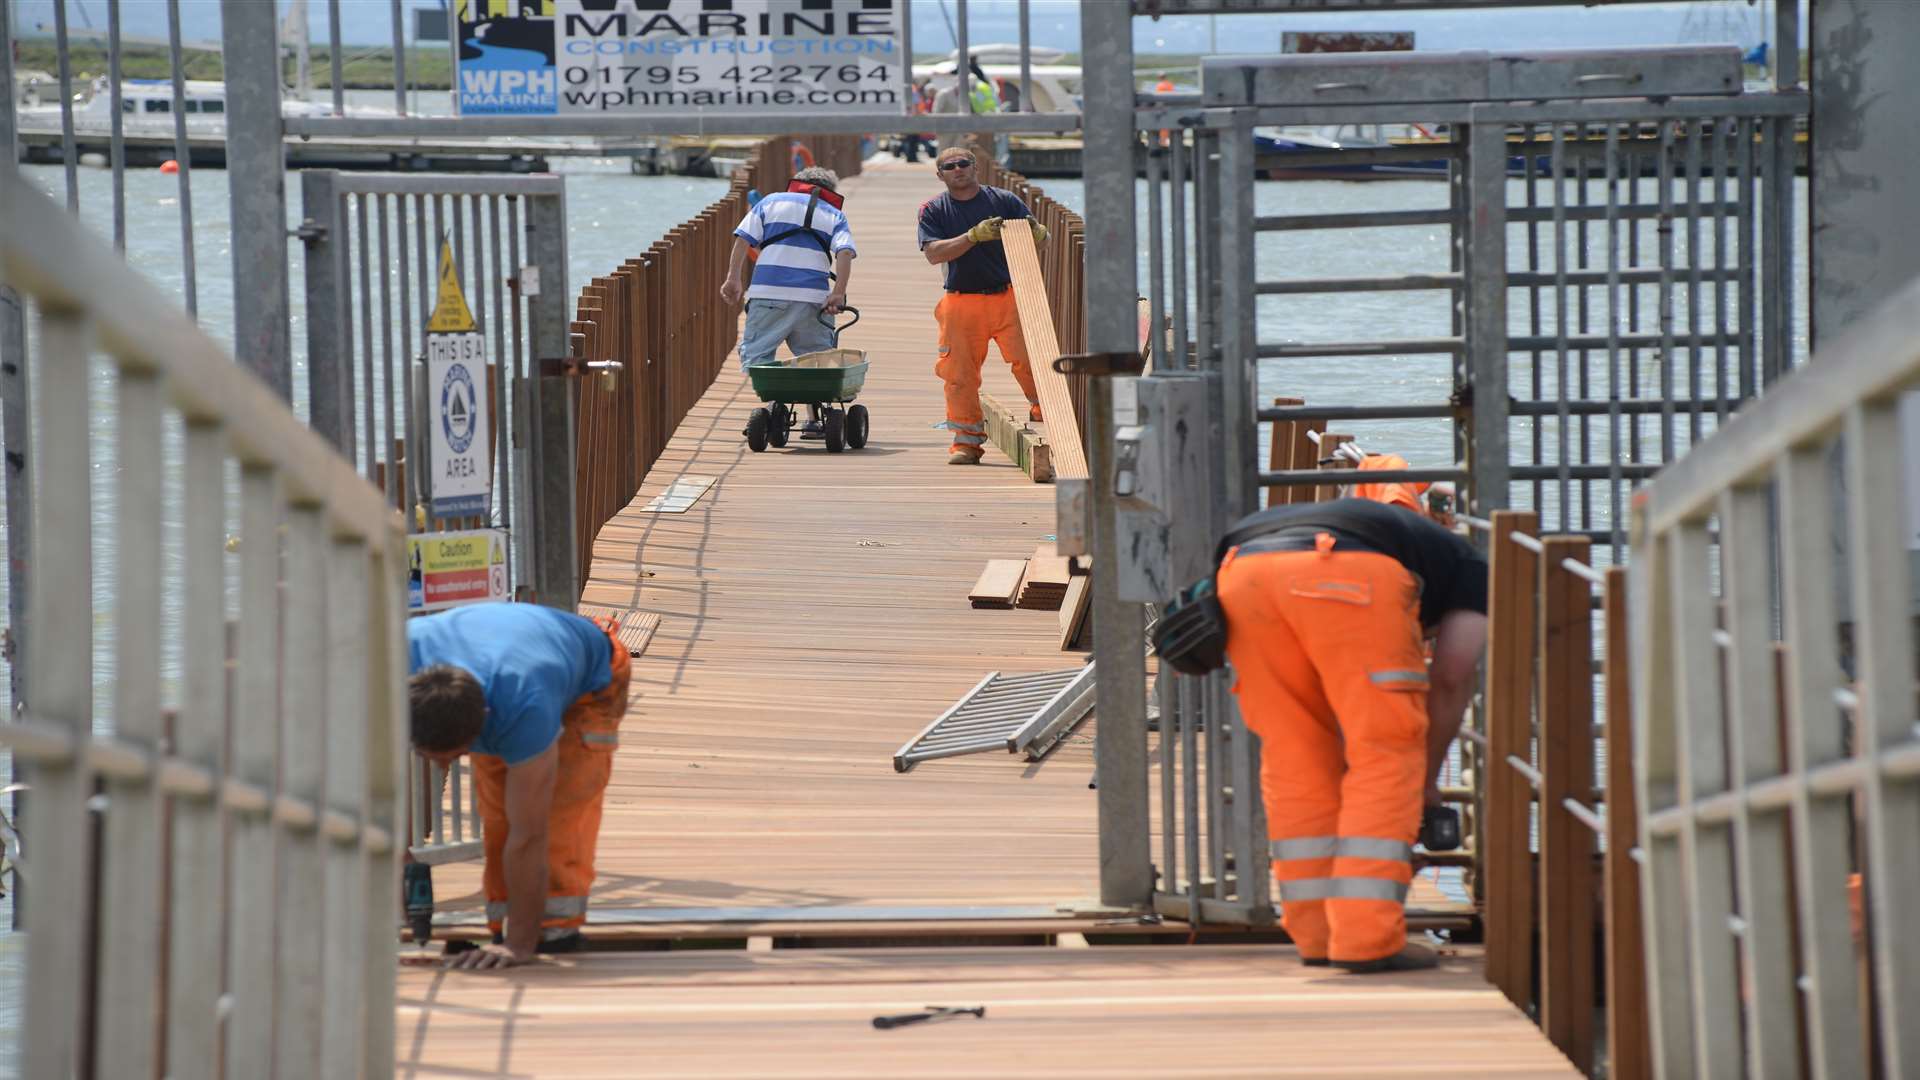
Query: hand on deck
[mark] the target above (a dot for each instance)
(488, 957)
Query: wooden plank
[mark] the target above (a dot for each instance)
(998, 584)
(1073, 610)
(1567, 887)
(1305, 454)
(1629, 1040)
(1043, 348)
(1280, 451)
(1509, 691)
(1010, 432)
(1048, 576)
(1136, 1010)
(636, 627)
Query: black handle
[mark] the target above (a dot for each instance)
(885, 1022)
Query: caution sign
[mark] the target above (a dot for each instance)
(460, 481)
(449, 569)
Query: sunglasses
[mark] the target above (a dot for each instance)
(956, 163)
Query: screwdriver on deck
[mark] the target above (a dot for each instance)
(934, 1012)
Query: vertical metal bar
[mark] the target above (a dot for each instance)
(962, 78)
(364, 309)
(329, 310)
(1822, 824)
(198, 909)
(1664, 901)
(335, 47)
(117, 139)
(459, 241)
(453, 52)
(1696, 134)
(300, 865)
(1786, 44)
(1168, 695)
(1884, 666)
(127, 1037)
(256, 183)
(1720, 387)
(456, 781)
(1772, 346)
(1746, 299)
(343, 887)
(1581, 166)
(400, 59)
(908, 104)
(60, 655)
(1633, 170)
(1487, 312)
(14, 417)
(1538, 430)
(387, 380)
(1190, 719)
(1667, 449)
(555, 560)
(1562, 450)
(1616, 510)
(1238, 367)
(1217, 767)
(1204, 276)
(1783, 199)
(1760, 837)
(1026, 57)
(183, 156)
(1177, 206)
(1156, 256)
(503, 472)
(412, 454)
(256, 750)
(69, 151)
(517, 413)
(1126, 854)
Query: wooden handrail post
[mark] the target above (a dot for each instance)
(1566, 772)
(1280, 452)
(1506, 862)
(1629, 1049)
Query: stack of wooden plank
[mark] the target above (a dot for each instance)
(999, 584)
(1045, 585)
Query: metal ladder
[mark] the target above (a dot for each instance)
(1027, 714)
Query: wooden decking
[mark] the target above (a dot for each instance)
(814, 616)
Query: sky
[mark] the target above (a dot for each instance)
(1056, 23)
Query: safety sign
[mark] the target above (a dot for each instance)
(449, 569)
(599, 57)
(460, 478)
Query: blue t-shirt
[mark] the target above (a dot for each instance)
(984, 268)
(532, 661)
(793, 265)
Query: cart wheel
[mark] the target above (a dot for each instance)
(857, 426)
(780, 425)
(835, 422)
(757, 426)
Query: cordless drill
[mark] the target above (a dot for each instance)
(417, 886)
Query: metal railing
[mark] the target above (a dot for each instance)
(1777, 751)
(243, 857)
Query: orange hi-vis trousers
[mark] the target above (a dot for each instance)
(589, 731)
(1327, 648)
(1403, 495)
(967, 322)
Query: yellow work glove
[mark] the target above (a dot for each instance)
(985, 231)
(1039, 231)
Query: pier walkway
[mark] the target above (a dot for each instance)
(813, 618)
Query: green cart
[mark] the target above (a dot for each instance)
(826, 382)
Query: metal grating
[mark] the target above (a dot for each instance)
(1028, 714)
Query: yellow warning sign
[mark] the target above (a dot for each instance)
(450, 312)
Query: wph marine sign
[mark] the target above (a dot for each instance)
(626, 57)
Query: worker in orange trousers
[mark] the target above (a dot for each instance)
(1328, 607)
(536, 696)
(960, 230)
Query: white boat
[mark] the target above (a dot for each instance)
(1056, 86)
(146, 107)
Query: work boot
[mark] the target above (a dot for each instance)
(963, 457)
(1315, 961)
(571, 942)
(1411, 958)
(1033, 413)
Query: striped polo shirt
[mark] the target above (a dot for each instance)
(792, 266)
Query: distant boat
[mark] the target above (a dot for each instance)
(146, 107)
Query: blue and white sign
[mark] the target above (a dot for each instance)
(461, 480)
(627, 57)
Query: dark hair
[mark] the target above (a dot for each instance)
(447, 706)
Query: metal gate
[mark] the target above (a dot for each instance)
(372, 244)
(1615, 276)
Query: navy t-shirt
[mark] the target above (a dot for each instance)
(984, 267)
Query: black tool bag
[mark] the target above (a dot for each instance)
(1191, 636)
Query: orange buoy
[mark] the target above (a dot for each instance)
(169, 167)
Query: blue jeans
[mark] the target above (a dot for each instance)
(770, 322)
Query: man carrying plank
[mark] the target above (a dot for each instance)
(536, 696)
(960, 228)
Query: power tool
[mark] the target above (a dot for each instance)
(417, 887)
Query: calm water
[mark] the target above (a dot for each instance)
(613, 215)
